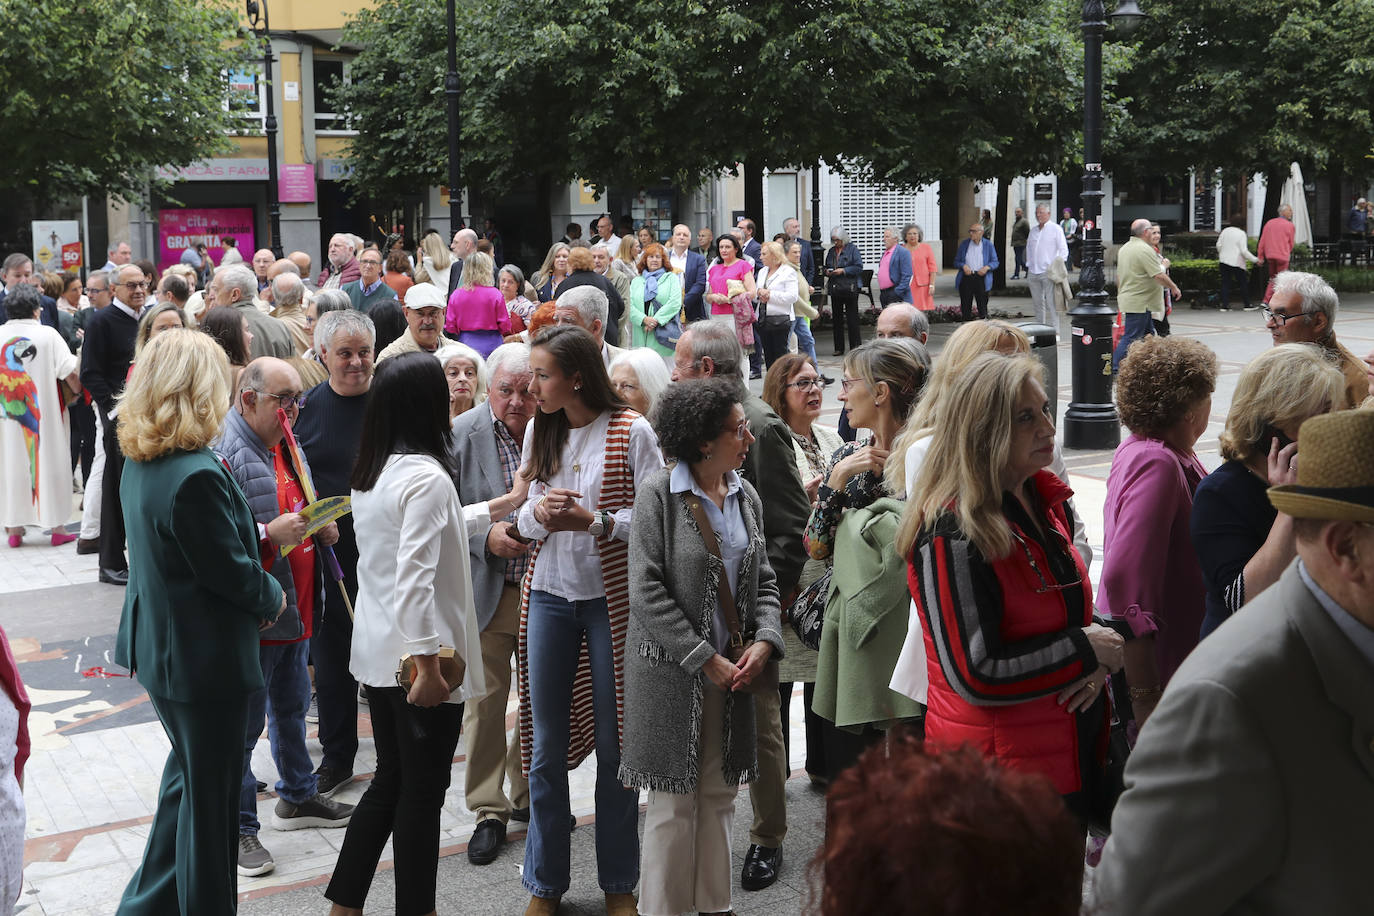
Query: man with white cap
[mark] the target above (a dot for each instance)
(424, 310)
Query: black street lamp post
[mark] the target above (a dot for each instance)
(1090, 421)
(817, 249)
(455, 200)
(257, 22)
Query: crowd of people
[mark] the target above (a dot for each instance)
(418, 478)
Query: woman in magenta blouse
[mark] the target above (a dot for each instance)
(477, 312)
(1150, 572)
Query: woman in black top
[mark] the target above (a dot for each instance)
(1242, 544)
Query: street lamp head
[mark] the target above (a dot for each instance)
(1127, 17)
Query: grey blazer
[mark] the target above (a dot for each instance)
(673, 583)
(479, 478)
(1251, 790)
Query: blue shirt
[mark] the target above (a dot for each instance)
(1359, 634)
(731, 534)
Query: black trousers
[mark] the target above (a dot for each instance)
(890, 295)
(336, 692)
(774, 341)
(815, 729)
(973, 287)
(111, 510)
(844, 313)
(85, 437)
(1238, 276)
(415, 750)
(756, 354)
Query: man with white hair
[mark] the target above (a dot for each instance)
(424, 310)
(234, 287)
(1302, 309)
(589, 309)
(343, 264)
(1357, 220)
(1045, 244)
(1140, 273)
(902, 319)
(262, 262)
(1276, 246)
(288, 293)
(486, 449)
(464, 243)
(120, 254)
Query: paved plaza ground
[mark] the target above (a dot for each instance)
(98, 749)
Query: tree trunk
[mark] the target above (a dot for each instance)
(949, 220)
(753, 197)
(1274, 177)
(543, 233)
(1001, 234)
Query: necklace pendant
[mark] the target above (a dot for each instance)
(577, 468)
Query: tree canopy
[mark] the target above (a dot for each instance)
(98, 93)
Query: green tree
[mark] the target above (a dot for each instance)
(96, 94)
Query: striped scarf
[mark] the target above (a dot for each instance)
(617, 492)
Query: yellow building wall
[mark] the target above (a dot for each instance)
(291, 120)
(312, 15)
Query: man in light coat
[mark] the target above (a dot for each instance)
(1044, 245)
(1251, 790)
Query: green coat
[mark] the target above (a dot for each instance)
(197, 591)
(669, 300)
(866, 616)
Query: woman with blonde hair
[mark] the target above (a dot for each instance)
(923, 267)
(1242, 542)
(192, 544)
(161, 317)
(627, 257)
(477, 313)
(552, 272)
(466, 374)
(1016, 666)
(435, 259)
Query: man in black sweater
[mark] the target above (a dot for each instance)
(106, 355)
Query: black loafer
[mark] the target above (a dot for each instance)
(486, 842)
(761, 867)
(114, 576)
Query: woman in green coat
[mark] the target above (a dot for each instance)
(655, 300)
(196, 598)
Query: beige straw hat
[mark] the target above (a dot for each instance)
(1336, 470)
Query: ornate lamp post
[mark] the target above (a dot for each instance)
(817, 249)
(1090, 421)
(455, 200)
(257, 22)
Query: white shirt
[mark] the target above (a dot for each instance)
(414, 580)
(569, 564)
(126, 309)
(973, 255)
(612, 244)
(679, 261)
(1233, 248)
(731, 536)
(1043, 245)
(782, 289)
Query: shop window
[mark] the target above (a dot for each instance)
(654, 209)
(246, 96)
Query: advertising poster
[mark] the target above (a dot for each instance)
(185, 228)
(57, 244)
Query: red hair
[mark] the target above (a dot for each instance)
(945, 833)
(654, 248)
(542, 318)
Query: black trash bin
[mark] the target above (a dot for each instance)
(1044, 347)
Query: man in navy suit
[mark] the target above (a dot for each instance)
(973, 267)
(19, 269)
(791, 227)
(752, 249)
(692, 267)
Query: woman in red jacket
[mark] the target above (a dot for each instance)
(1017, 666)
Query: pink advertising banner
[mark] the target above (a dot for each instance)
(187, 228)
(296, 184)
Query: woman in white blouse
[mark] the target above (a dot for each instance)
(777, 294)
(587, 455)
(414, 596)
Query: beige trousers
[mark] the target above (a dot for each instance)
(489, 756)
(685, 862)
(768, 793)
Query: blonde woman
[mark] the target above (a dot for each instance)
(1016, 666)
(192, 544)
(923, 267)
(435, 259)
(162, 317)
(477, 313)
(626, 258)
(1242, 542)
(552, 272)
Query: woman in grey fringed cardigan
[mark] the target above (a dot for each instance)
(689, 731)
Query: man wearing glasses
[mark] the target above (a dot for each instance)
(1302, 309)
(368, 289)
(106, 354)
(1140, 272)
(973, 267)
(251, 449)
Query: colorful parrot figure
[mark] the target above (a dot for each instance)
(19, 397)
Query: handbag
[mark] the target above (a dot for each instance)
(777, 323)
(808, 611)
(767, 679)
(667, 334)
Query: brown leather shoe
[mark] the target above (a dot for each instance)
(542, 906)
(621, 905)
(88, 546)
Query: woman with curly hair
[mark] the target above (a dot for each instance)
(1150, 573)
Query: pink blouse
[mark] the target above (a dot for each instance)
(481, 308)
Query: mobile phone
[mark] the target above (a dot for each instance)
(1272, 432)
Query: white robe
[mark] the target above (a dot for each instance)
(52, 361)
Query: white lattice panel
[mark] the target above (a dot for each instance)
(866, 209)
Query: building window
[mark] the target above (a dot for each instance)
(246, 96)
(329, 72)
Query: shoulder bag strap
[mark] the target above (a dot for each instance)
(727, 600)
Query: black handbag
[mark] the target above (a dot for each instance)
(777, 322)
(807, 612)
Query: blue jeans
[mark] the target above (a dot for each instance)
(1137, 325)
(555, 632)
(805, 342)
(288, 696)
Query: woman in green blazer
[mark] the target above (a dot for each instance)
(655, 299)
(196, 598)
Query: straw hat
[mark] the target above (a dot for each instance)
(1336, 473)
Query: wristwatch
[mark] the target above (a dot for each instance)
(598, 525)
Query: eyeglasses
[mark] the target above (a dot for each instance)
(287, 401)
(742, 429)
(1046, 586)
(1280, 317)
(371, 261)
(807, 384)
(847, 383)
(131, 287)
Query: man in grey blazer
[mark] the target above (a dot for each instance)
(1251, 790)
(486, 449)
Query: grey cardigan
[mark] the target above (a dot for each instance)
(673, 584)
